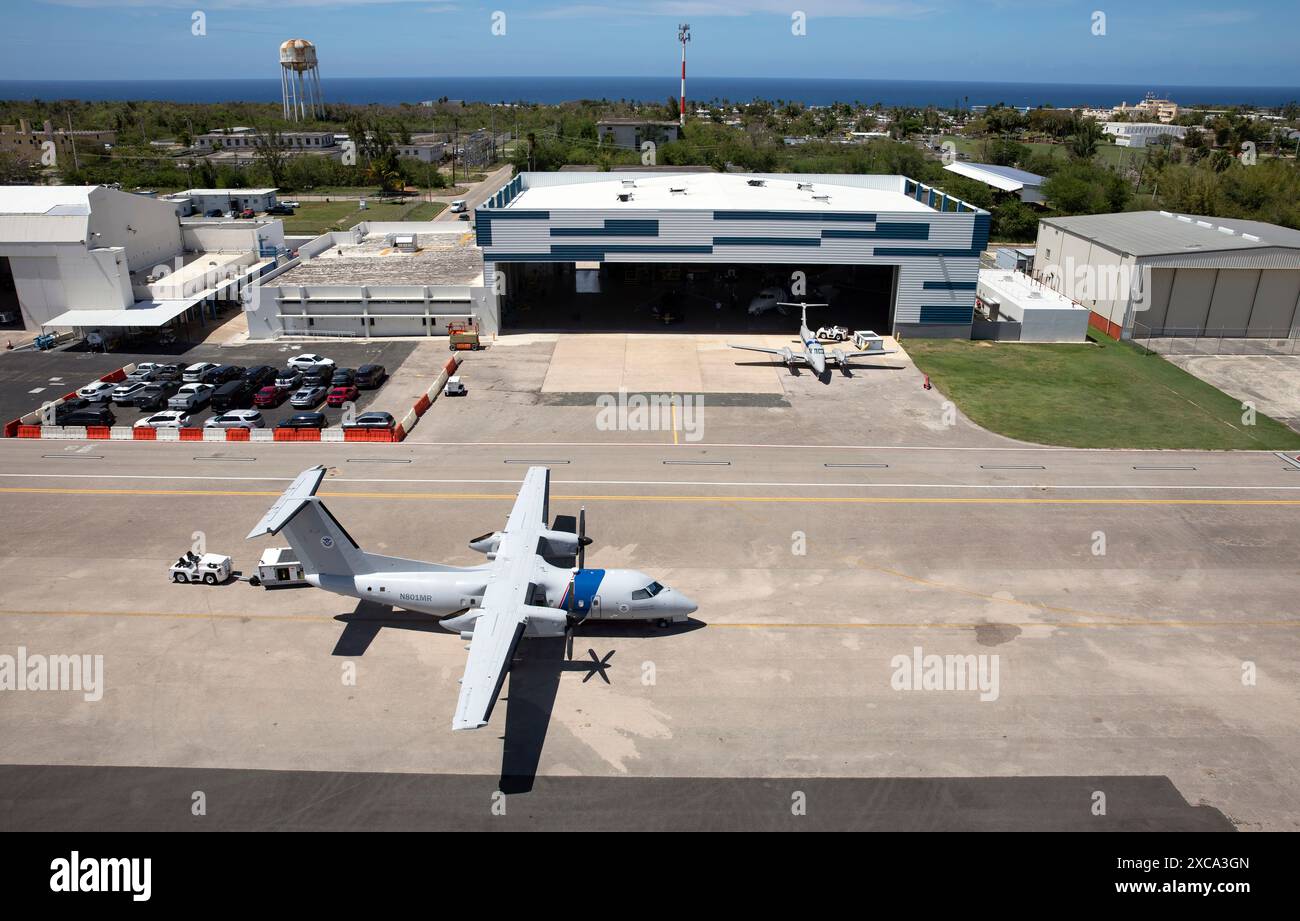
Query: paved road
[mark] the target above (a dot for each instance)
(479, 192)
(1126, 608)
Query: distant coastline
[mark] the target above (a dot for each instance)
(551, 90)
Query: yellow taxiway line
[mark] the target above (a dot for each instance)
(817, 500)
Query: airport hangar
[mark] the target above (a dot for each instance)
(603, 250)
(1175, 274)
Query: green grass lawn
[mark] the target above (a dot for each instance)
(317, 217)
(1110, 154)
(1105, 394)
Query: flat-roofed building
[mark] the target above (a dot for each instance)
(377, 280)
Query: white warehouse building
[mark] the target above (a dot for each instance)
(1154, 273)
(90, 257)
(644, 249)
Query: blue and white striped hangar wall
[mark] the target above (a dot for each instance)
(937, 251)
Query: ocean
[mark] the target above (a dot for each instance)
(397, 90)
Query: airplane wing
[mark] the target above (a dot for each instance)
(505, 610)
(866, 354)
(795, 356)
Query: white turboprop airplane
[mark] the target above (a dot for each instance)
(517, 593)
(814, 354)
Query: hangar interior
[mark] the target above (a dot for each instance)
(687, 297)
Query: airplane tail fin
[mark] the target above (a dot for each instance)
(322, 545)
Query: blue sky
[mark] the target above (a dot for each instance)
(1160, 43)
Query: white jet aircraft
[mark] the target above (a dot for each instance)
(517, 593)
(814, 354)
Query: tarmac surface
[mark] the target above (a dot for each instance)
(1129, 618)
(1140, 605)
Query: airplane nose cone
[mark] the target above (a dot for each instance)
(686, 605)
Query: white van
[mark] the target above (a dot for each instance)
(458, 206)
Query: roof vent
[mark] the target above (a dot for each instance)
(679, 190)
(805, 187)
(1204, 224)
(624, 196)
(1251, 237)
(1227, 230)
(757, 182)
(629, 183)
(1184, 218)
(825, 198)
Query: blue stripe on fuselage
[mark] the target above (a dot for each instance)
(585, 585)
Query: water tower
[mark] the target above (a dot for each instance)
(300, 81)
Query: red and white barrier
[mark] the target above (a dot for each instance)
(29, 426)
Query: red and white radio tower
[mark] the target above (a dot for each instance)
(683, 36)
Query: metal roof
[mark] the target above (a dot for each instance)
(1006, 178)
(139, 314)
(46, 199)
(223, 192)
(715, 191)
(1160, 233)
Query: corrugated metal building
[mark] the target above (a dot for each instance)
(907, 255)
(1161, 274)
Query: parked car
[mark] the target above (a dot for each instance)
(233, 395)
(270, 396)
(191, 397)
(221, 374)
(248, 214)
(154, 396)
(307, 361)
(374, 420)
(280, 209)
(290, 204)
(260, 375)
(70, 406)
(343, 377)
(319, 376)
(196, 372)
(289, 378)
(214, 212)
(237, 419)
(168, 419)
(340, 395)
(144, 373)
(97, 392)
(307, 397)
(370, 377)
(89, 415)
(304, 421)
(167, 372)
(124, 394)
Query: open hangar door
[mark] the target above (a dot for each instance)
(690, 298)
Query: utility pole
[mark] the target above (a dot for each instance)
(683, 36)
(72, 142)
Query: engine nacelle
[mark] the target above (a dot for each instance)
(488, 543)
(558, 543)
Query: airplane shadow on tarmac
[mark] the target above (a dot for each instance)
(829, 374)
(534, 675)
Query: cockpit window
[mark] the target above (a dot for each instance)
(641, 594)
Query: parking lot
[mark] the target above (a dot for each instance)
(28, 380)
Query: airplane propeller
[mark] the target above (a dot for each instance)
(581, 561)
